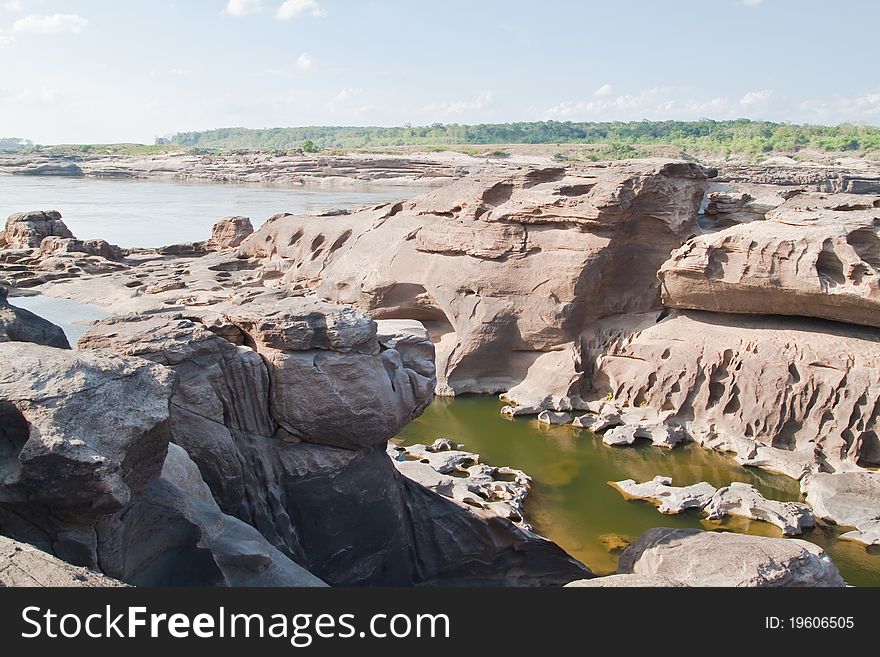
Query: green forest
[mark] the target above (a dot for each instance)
(723, 138)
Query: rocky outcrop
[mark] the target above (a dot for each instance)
(744, 501)
(848, 499)
(80, 434)
(54, 246)
(229, 232)
(22, 565)
(285, 405)
(668, 498)
(501, 269)
(20, 325)
(27, 230)
(787, 394)
(697, 558)
(816, 255)
(626, 581)
(460, 476)
(174, 534)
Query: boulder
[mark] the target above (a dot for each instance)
(850, 499)
(669, 499)
(804, 390)
(816, 255)
(22, 565)
(27, 230)
(229, 233)
(697, 558)
(80, 432)
(625, 581)
(461, 477)
(598, 423)
(19, 325)
(501, 268)
(660, 435)
(743, 500)
(174, 534)
(554, 418)
(279, 459)
(55, 246)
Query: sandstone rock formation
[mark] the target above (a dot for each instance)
(80, 433)
(174, 534)
(848, 499)
(805, 387)
(19, 325)
(626, 581)
(697, 558)
(669, 499)
(500, 269)
(459, 476)
(745, 501)
(26, 230)
(229, 232)
(816, 255)
(22, 565)
(285, 405)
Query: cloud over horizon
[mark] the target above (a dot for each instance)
(54, 24)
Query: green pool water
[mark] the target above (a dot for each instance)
(571, 502)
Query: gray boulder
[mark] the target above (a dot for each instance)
(698, 558)
(19, 325)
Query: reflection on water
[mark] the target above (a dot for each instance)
(74, 318)
(153, 213)
(571, 502)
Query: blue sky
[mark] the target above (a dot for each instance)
(131, 70)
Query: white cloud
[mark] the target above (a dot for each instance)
(304, 62)
(604, 90)
(13, 5)
(653, 103)
(54, 24)
(243, 7)
(6, 40)
(348, 101)
(482, 101)
(752, 3)
(755, 97)
(293, 8)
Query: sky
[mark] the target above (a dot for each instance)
(100, 71)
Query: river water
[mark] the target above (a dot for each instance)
(571, 501)
(151, 213)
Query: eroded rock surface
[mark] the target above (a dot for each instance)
(27, 230)
(285, 405)
(745, 501)
(23, 565)
(80, 432)
(460, 476)
(849, 499)
(19, 325)
(668, 498)
(815, 255)
(697, 558)
(804, 388)
(501, 269)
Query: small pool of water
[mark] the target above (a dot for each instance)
(571, 502)
(73, 317)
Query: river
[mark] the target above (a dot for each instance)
(571, 501)
(152, 213)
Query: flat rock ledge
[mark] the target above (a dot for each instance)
(22, 565)
(459, 475)
(668, 498)
(737, 499)
(849, 499)
(697, 558)
(625, 581)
